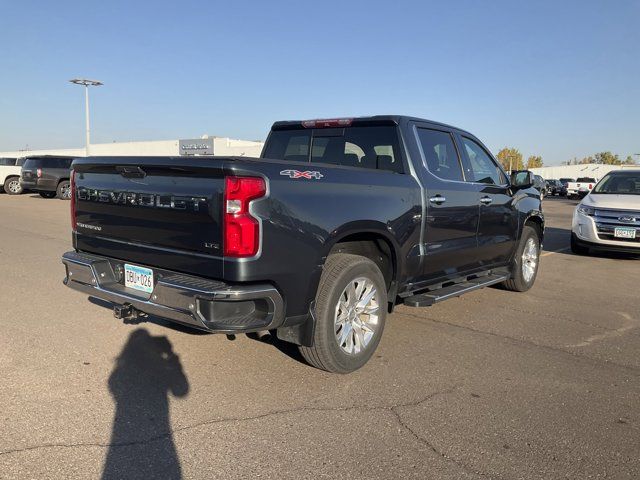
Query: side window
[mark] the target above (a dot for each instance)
(482, 168)
(440, 154)
(7, 162)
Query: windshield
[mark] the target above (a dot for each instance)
(620, 183)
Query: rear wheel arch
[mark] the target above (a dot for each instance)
(373, 245)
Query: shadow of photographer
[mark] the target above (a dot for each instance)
(146, 372)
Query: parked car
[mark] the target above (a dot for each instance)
(540, 185)
(609, 217)
(48, 175)
(554, 187)
(581, 187)
(10, 175)
(565, 182)
(337, 222)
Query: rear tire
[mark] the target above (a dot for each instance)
(47, 194)
(577, 248)
(350, 313)
(524, 266)
(12, 186)
(64, 190)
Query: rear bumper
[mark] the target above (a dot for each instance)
(205, 304)
(39, 185)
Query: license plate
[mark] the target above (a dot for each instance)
(138, 278)
(622, 232)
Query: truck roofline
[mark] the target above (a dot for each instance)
(373, 120)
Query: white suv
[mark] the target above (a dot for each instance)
(608, 218)
(10, 175)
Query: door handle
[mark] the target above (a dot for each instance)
(438, 200)
(486, 200)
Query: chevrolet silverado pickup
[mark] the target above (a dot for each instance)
(317, 240)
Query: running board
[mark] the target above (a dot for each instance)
(444, 293)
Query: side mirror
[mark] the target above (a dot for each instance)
(521, 179)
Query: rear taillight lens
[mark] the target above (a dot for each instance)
(590, 186)
(73, 200)
(39, 172)
(241, 229)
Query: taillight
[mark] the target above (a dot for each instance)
(39, 172)
(73, 200)
(328, 123)
(241, 230)
(590, 186)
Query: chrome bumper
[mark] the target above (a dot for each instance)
(201, 303)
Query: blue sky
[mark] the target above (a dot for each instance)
(555, 78)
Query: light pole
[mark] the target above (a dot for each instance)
(87, 83)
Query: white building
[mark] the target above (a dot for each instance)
(575, 171)
(206, 145)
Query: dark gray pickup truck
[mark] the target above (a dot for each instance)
(337, 222)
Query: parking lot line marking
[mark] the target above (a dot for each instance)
(629, 324)
(556, 251)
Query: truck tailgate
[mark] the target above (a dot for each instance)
(161, 203)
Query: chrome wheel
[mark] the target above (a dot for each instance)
(14, 186)
(65, 191)
(357, 315)
(529, 260)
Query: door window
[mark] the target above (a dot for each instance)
(440, 154)
(481, 168)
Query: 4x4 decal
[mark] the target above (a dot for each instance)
(309, 174)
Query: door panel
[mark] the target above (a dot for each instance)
(453, 210)
(498, 223)
(450, 230)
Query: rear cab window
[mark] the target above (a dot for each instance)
(372, 147)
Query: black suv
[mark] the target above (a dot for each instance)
(540, 185)
(48, 175)
(554, 187)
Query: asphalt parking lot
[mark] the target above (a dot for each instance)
(495, 384)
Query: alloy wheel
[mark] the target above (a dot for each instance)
(529, 260)
(356, 316)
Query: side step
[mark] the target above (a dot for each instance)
(434, 296)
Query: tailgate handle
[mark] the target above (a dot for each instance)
(131, 172)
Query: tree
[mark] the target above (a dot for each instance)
(629, 160)
(534, 161)
(607, 158)
(510, 158)
(587, 160)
